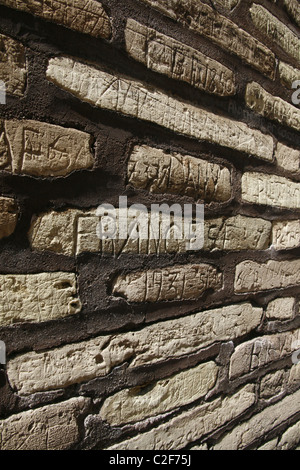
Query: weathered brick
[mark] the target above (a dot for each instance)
(248, 432)
(291, 437)
(292, 7)
(165, 55)
(276, 30)
(288, 158)
(51, 427)
(8, 216)
(288, 74)
(273, 384)
(136, 99)
(87, 16)
(208, 22)
(160, 172)
(176, 283)
(270, 190)
(272, 107)
(13, 69)
(228, 4)
(260, 351)
(37, 297)
(132, 405)
(255, 277)
(41, 149)
(191, 425)
(237, 233)
(281, 309)
(286, 235)
(271, 445)
(73, 232)
(80, 362)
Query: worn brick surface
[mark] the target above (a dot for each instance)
(87, 17)
(63, 366)
(219, 29)
(13, 67)
(136, 99)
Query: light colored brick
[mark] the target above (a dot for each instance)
(87, 16)
(208, 22)
(8, 216)
(191, 425)
(160, 172)
(288, 74)
(268, 419)
(40, 149)
(136, 99)
(270, 190)
(286, 235)
(51, 427)
(271, 445)
(80, 362)
(37, 297)
(237, 233)
(290, 438)
(260, 351)
(73, 232)
(228, 4)
(136, 404)
(273, 384)
(13, 69)
(255, 277)
(183, 282)
(178, 61)
(276, 30)
(292, 7)
(281, 309)
(272, 107)
(288, 158)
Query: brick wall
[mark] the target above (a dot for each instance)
(144, 344)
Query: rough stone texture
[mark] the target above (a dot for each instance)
(270, 190)
(272, 107)
(75, 363)
(228, 4)
(132, 405)
(40, 149)
(288, 74)
(37, 297)
(87, 16)
(54, 231)
(73, 232)
(255, 277)
(292, 7)
(281, 309)
(13, 70)
(191, 425)
(271, 445)
(286, 235)
(136, 99)
(159, 172)
(51, 427)
(273, 384)
(258, 352)
(291, 437)
(237, 233)
(176, 283)
(165, 55)
(276, 30)
(226, 34)
(8, 216)
(288, 158)
(272, 416)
